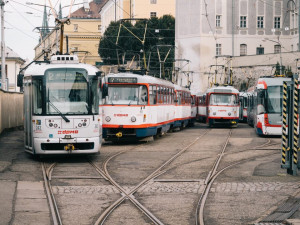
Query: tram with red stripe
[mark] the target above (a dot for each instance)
(220, 104)
(267, 96)
(140, 106)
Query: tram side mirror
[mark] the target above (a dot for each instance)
(20, 80)
(99, 73)
(104, 90)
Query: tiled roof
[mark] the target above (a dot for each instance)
(93, 13)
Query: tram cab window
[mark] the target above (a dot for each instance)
(67, 92)
(261, 101)
(127, 95)
(274, 99)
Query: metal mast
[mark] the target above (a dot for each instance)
(3, 72)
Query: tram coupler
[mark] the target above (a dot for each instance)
(69, 147)
(119, 134)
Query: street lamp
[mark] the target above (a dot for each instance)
(279, 43)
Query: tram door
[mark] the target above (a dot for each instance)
(27, 114)
(241, 107)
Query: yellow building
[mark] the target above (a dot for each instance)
(83, 32)
(114, 10)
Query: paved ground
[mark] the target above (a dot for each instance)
(251, 186)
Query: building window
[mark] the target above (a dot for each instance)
(99, 27)
(277, 48)
(218, 49)
(153, 1)
(152, 14)
(218, 21)
(75, 27)
(260, 22)
(243, 49)
(243, 21)
(260, 51)
(277, 22)
(292, 47)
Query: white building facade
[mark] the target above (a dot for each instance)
(210, 33)
(13, 64)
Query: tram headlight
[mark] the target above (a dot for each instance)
(107, 119)
(214, 113)
(229, 114)
(133, 119)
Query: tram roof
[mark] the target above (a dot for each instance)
(141, 78)
(39, 69)
(264, 82)
(222, 89)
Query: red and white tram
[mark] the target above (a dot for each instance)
(267, 107)
(137, 106)
(183, 114)
(219, 105)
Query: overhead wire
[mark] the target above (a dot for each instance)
(21, 15)
(20, 30)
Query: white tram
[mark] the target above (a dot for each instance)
(140, 106)
(267, 107)
(219, 104)
(61, 107)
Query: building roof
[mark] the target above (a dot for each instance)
(11, 55)
(89, 13)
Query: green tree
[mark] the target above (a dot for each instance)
(160, 32)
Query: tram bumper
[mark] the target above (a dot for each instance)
(44, 146)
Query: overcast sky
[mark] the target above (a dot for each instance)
(21, 19)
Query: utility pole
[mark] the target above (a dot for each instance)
(298, 26)
(233, 25)
(115, 10)
(3, 73)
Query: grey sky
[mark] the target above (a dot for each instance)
(21, 20)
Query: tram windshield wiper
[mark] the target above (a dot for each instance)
(59, 112)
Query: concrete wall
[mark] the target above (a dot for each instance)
(11, 110)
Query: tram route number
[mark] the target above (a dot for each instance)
(67, 132)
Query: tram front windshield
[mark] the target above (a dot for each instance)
(222, 99)
(66, 91)
(127, 95)
(274, 99)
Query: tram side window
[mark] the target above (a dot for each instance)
(179, 97)
(37, 96)
(152, 94)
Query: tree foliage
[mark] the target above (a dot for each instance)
(160, 36)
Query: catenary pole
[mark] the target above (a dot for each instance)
(3, 73)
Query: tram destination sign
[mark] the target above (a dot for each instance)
(65, 76)
(122, 80)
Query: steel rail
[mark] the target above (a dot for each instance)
(208, 182)
(50, 196)
(129, 195)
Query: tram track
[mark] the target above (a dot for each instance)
(130, 194)
(47, 177)
(213, 174)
